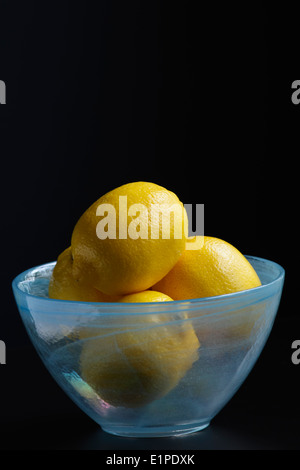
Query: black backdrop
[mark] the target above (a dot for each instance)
(104, 93)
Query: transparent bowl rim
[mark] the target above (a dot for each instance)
(262, 292)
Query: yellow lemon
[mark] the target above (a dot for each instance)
(208, 267)
(129, 238)
(140, 358)
(64, 286)
(146, 296)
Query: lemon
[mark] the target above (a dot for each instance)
(212, 267)
(139, 358)
(64, 286)
(137, 250)
(146, 296)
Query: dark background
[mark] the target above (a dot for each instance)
(103, 93)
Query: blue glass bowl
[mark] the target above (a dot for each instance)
(231, 329)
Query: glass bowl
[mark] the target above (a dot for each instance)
(150, 369)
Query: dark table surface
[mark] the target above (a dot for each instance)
(264, 413)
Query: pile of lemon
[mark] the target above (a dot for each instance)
(132, 366)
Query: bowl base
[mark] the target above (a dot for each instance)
(155, 431)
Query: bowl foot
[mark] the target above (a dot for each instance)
(155, 431)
